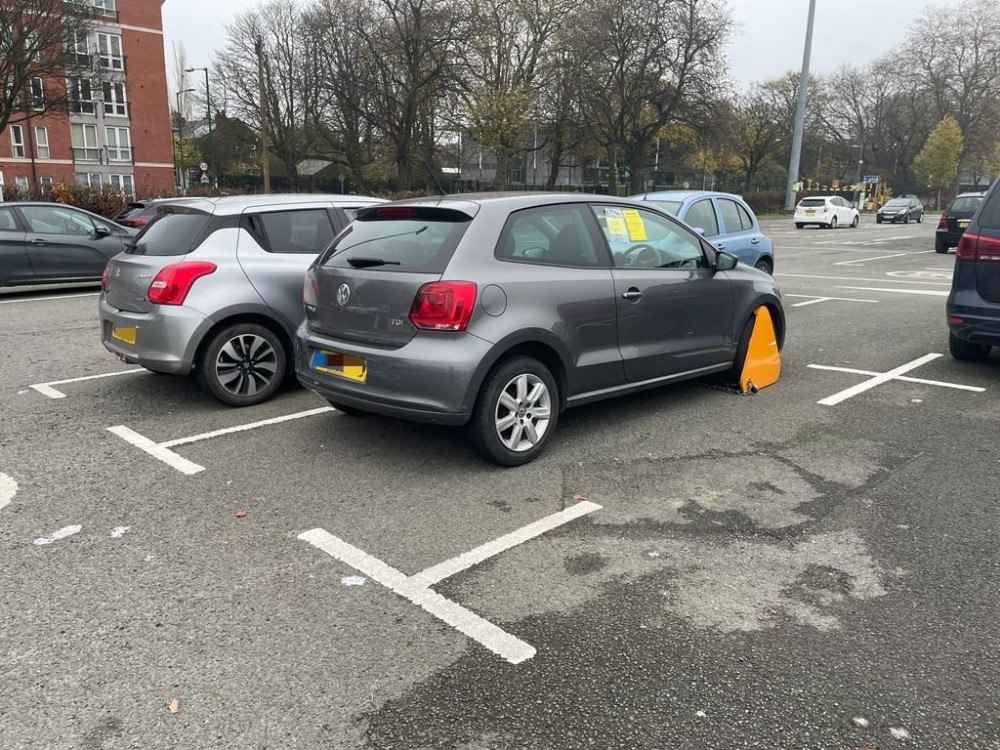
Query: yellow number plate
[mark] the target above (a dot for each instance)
(963, 225)
(123, 334)
(344, 365)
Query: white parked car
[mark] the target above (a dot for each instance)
(830, 211)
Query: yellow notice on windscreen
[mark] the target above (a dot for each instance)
(616, 224)
(636, 229)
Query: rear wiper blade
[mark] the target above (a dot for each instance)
(371, 262)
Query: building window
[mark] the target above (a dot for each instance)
(22, 184)
(119, 144)
(42, 142)
(124, 183)
(114, 99)
(46, 185)
(91, 179)
(105, 7)
(109, 50)
(37, 94)
(85, 146)
(16, 141)
(80, 49)
(81, 96)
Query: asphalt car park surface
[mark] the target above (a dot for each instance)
(761, 570)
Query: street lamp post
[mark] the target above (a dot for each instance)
(180, 136)
(800, 113)
(208, 116)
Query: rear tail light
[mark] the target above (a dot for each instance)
(397, 211)
(443, 306)
(976, 247)
(173, 282)
(943, 224)
(104, 276)
(955, 321)
(134, 222)
(310, 290)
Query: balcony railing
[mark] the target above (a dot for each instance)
(76, 60)
(103, 155)
(90, 154)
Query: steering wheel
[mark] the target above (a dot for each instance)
(529, 252)
(637, 255)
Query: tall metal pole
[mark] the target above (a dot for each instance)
(208, 113)
(800, 113)
(265, 165)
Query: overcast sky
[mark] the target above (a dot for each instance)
(768, 40)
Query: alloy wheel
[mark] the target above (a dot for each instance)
(522, 413)
(246, 364)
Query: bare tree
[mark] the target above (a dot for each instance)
(42, 41)
(757, 130)
(180, 84)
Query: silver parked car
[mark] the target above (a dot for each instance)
(500, 311)
(215, 286)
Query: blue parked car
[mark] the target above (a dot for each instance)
(725, 220)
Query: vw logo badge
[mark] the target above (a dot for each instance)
(343, 294)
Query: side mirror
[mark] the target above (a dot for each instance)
(100, 230)
(725, 261)
(699, 230)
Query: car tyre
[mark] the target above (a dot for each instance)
(920, 218)
(906, 219)
(504, 409)
(940, 247)
(243, 364)
(763, 264)
(878, 219)
(965, 350)
(857, 220)
(799, 225)
(349, 410)
(833, 223)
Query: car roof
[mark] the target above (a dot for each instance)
(682, 195)
(470, 202)
(821, 197)
(971, 195)
(236, 204)
(54, 204)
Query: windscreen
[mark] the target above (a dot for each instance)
(412, 240)
(967, 205)
(175, 231)
(897, 204)
(671, 207)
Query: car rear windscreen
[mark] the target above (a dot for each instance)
(380, 239)
(967, 205)
(812, 202)
(671, 207)
(175, 231)
(130, 211)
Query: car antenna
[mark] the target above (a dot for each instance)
(431, 173)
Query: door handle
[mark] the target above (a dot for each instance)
(632, 294)
(38, 241)
(754, 240)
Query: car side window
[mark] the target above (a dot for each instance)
(731, 221)
(643, 239)
(7, 221)
(702, 215)
(56, 220)
(557, 235)
(304, 231)
(746, 221)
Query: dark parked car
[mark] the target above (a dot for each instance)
(974, 302)
(43, 243)
(901, 209)
(955, 220)
(139, 213)
(500, 311)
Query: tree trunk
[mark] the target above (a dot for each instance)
(555, 159)
(500, 177)
(637, 179)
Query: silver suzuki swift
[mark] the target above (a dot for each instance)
(215, 286)
(500, 311)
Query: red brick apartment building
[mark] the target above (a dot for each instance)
(113, 131)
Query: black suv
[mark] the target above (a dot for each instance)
(974, 302)
(904, 209)
(955, 220)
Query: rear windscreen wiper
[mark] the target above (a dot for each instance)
(371, 262)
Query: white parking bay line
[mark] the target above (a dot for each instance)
(163, 451)
(245, 427)
(812, 299)
(156, 450)
(924, 292)
(417, 589)
(46, 389)
(877, 379)
(448, 568)
(858, 261)
(855, 278)
(45, 299)
(919, 381)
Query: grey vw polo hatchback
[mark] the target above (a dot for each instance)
(500, 311)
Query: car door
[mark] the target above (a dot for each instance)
(740, 237)
(675, 311)
(276, 245)
(15, 268)
(63, 243)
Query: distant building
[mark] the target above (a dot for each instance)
(117, 129)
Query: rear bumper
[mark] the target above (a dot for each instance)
(980, 320)
(823, 219)
(166, 339)
(428, 380)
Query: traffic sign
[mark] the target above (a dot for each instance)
(871, 178)
(203, 167)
